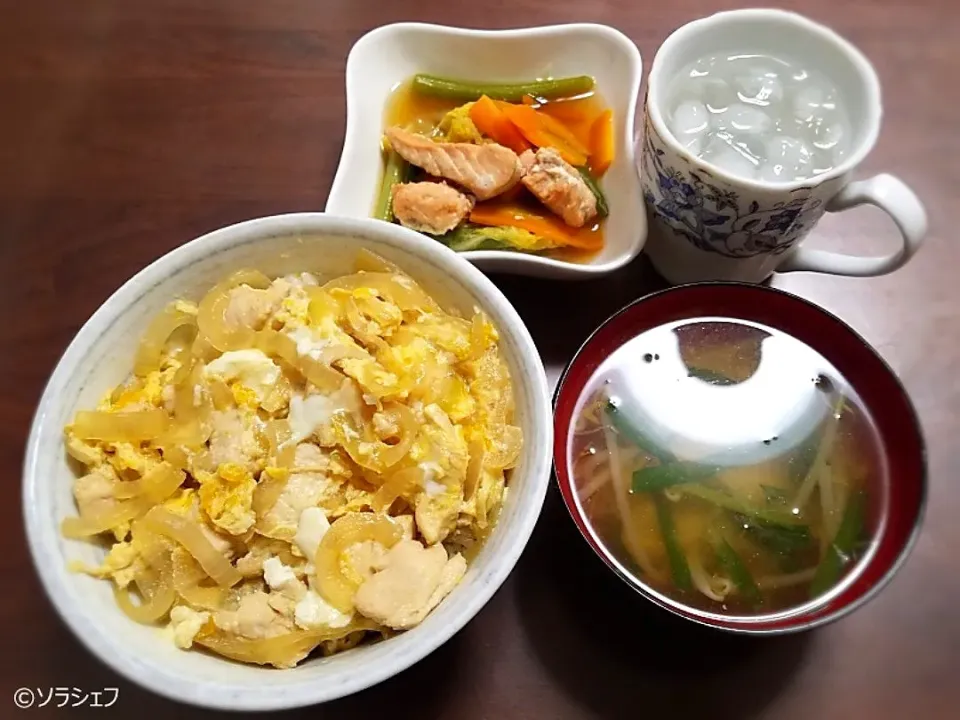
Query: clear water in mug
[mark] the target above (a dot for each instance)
(759, 117)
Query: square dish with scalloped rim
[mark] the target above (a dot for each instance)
(383, 58)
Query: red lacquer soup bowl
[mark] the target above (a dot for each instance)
(891, 516)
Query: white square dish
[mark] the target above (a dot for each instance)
(383, 58)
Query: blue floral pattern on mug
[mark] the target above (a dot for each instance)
(697, 207)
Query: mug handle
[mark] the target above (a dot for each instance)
(891, 195)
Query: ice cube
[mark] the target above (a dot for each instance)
(827, 136)
(721, 151)
(689, 120)
(788, 159)
(717, 94)
(811, 103)
(751, 146)
(744, 119)
(772, 173)
(703, 66)
(694, 145)
(759, 86)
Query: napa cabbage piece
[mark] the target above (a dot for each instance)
(457, 126)
(480, 237)
(248, 515)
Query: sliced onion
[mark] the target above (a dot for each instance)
(282, 651)
(372, 453)
(210, 316)
(157, 485)
(176, 455)
(400, 289)
(371, 262)
(220, 393)
(281, 450)
(267, 492)
(325, 378)
(506, 449)
(189, 534)
(150, 352)
(322, 306)
(284, 347)
(474, 466)
(190, 401)
(164, 480)
(147, 611)
(187, 576)
(131, 427)
(334, 353)
(349, 529)
(278, 345)
(403, 483)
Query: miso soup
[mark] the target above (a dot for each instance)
(728, 466)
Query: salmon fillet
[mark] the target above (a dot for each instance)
(430, 207)
(558, 185)
(485, 170)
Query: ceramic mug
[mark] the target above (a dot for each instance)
(706, 224)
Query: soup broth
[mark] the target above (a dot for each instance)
(728, 466)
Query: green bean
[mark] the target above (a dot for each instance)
(633, 434)
(602, 209)
(737, 569)
(729, 502)
(679, 569)
(840, 551)
(513, 92)
(394, 172)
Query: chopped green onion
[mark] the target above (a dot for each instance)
(840, 552)
(679, 569)
(729, 502)
(737, 570)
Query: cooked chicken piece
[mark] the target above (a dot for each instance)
(364, 558)
(260, 549)
(484, 170)
(250, 308)
(307, 487)
(412, 581)
(254, 618)
(430, 207)
(87, 453)
(558, 185)
(233, 439)
(94, 491)
(406, 522)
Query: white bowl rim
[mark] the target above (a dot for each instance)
(563, 269)
(40, 535)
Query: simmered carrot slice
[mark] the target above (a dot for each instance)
(545, 131)
(602, 145)
(491, 121)
(547, 227)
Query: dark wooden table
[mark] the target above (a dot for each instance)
(128, 128)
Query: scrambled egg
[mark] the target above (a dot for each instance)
(227, 498)
(315, 483)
